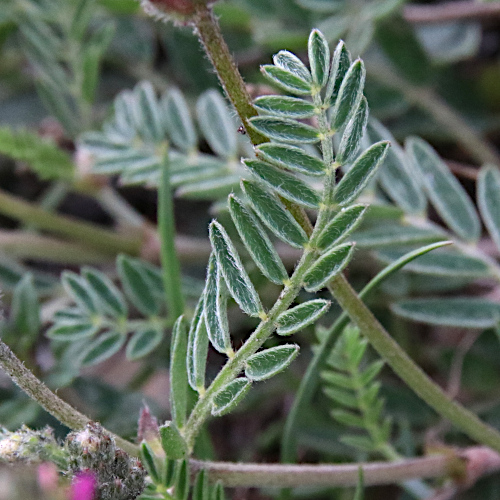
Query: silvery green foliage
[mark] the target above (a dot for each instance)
(350, 382)
(98, 319)
(133, 140)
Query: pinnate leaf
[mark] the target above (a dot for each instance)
(265, 364)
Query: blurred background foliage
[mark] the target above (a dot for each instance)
(432, 73)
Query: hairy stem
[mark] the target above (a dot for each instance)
(84, 232)
(171, 268)
(287, 476)
(40, 393)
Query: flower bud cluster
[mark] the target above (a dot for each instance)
(118, 476)
(26, 445)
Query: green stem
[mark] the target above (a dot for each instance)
(40, 393)
(230, 78)
(171, 269)
(388, 349)
(101, 239)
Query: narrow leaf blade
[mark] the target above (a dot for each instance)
(285, 130)
(319, 57)
(178, 372)
(285, 106)
(488, 196)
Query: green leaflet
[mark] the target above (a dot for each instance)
(328, 266)
(218, 492)
(298, 317)
(236, 278)
(137, 286)
(350, 94)
(274, 215)
(109, 299)
(351, 137)
(285, 184)
(285, 130)
(44, 157)
(210, 189)
(290, 158)
(201, 487)
(149, 112)
(79, 290)
(25, 310)
(172, 442)
(393, 233)
(360, 173)
(269, 362)
(178, 372)
(197, 349)
(230, 396)
(442, 263)
(177, 120)
(216, 124)
(72, 330)
(446, 194)
(293, 64)
(319, 57)
(148, 459)
(143, 342)
(341, 62)
(103, 347)
(182, 480)
(286, 80)
(285, 106)
(395, 175)
(341, 226)
(488, 197)
(257, 242)
(460, 312)
(217, 329)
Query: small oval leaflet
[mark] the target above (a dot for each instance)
(285, 106)
(79, 290)
(360, 173)
(286, 60)
(172, 442)
(353, 133)
(319, 57)
(265, 364)
(72, 330)
(350, 94)
(257, 242)
(177, 120)
(328, 266)
(110, 298)
(230, 396)
(285, 184)
(143, 341)
(286, 80)
(291, 158)
(274, 215)
(298, 317)
(103, 347)
(341, 62)
(236, 278)
(197, 349)
(285, 130)
(341, 226)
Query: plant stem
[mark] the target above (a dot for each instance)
(171, 269)
(288, 476)
(230, 78)
(388, 349)
(426, 99)
(451, 11)
(101, 239)
(40, 393)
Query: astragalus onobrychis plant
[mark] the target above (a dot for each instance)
(316, 176)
